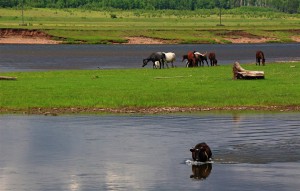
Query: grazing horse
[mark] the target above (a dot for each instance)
(201, 58)
(201, 152)
(260, 56)
(170, 58)
(156, 56)
(212, 59)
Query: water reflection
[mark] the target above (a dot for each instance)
(145, 152)
(201, 172)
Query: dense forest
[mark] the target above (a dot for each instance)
(289, 6)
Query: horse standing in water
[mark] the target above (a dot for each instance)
(260, 56)
(201, 152)
(156, 56)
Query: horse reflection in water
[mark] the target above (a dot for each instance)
(201, 172)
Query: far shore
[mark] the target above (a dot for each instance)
(21, 36)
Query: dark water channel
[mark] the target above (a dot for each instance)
(145, 152)
(58, 57)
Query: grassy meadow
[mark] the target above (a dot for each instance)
(176, 87)
(87, 26)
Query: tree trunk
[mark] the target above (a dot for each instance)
(7, 78)
(241, 73)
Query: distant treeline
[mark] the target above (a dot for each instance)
(289, 6)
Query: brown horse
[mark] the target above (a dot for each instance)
(212, 59)
(260, 56)
(201, 152)
(192, 62)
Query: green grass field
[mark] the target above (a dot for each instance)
(176, 87)
(84, 26)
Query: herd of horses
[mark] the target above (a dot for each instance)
(193, 59)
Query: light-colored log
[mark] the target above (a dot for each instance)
(241, 73)
(7, 78)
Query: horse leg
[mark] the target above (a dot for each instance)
(167, 65)
(163, 63)
(154, 66)
(207, 63)
(159, 64)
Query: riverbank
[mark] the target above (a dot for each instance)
(146, 110)
(25, 36)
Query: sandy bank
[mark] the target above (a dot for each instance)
(20, 36)
(24, 36)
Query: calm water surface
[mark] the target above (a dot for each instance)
(62, 57)
(145, 152)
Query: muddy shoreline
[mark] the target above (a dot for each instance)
(145, 110)
(26, 36)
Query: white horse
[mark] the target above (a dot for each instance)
(170, 58)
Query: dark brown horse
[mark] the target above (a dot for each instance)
(212, 59)
(201, 58)
(260, 56)
(201, 152)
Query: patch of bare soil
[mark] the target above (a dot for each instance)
(244, 37)
(146, 110)
(145, 40)
(20, 36)
(296, 38)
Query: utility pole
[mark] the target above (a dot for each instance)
(23, 24)
(220, 14)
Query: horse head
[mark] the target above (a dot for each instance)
(145, 62)
(201, 152)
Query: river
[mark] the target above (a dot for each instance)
(258, 151)
(64, 57)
